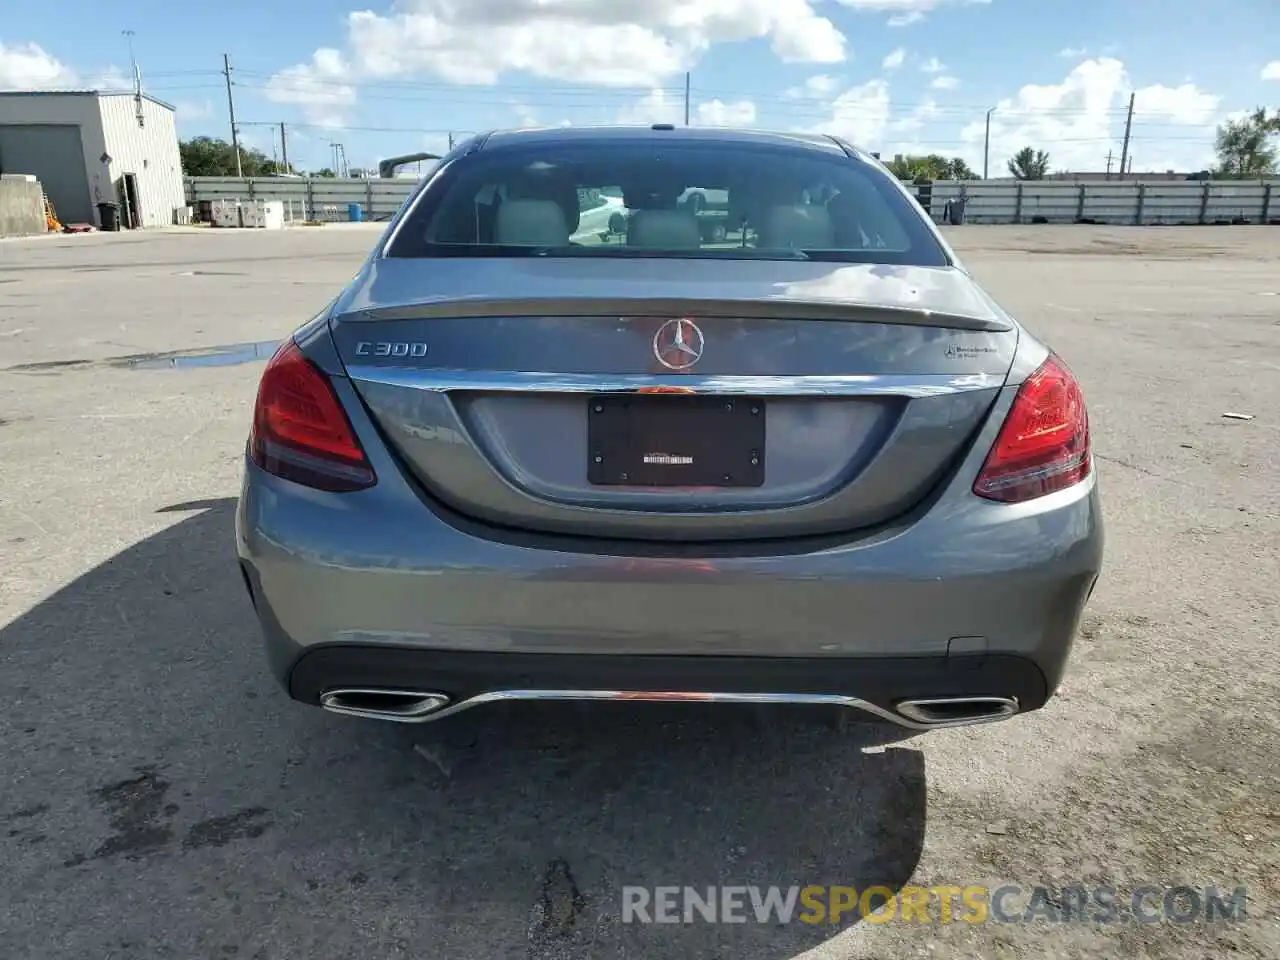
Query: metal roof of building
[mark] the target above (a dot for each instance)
(85, 93)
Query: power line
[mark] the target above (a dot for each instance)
(284, 141)
(1075, 125)
(602, 96)
(957, 141)
(353, 129)
(547, 95)
(426, 85)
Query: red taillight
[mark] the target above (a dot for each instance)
(300, 431)
(1044, 443)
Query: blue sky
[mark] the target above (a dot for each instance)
(893, 75)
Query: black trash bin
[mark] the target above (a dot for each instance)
(109, 215)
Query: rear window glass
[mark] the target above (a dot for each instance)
(641, 199)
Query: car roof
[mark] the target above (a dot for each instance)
(659, 133)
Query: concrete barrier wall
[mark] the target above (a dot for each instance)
(318, 198)
(988, 201)
(1131, 202)
(21, 207)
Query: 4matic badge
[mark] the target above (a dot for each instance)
(960, 352)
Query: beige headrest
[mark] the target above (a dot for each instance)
(532, 223)
(664, 230)
(797, 227)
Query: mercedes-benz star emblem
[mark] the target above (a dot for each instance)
(678, 344)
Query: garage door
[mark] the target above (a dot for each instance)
(53, 153)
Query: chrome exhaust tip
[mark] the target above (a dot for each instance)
(957, 711)
(402, 706)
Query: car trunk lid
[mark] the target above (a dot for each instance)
(822, 397)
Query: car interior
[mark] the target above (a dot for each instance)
(551, 205)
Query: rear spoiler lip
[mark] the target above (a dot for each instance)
(772, 308)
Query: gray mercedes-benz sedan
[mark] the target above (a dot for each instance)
(802, 459)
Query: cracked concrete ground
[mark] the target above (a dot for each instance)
(163, 799)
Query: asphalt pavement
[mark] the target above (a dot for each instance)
(162, 798)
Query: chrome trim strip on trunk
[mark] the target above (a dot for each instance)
(661, 696)
(500, 381)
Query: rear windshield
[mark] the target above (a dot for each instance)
(689, 200)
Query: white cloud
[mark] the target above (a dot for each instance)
(740, 113)
(113, 78)
(814, 87)
(1070, 53)
(903, 13)
(860, 114)
(809, 38)
(1080, 119)
(1271, 71)
(917, 118)
(190, 110)
(944, 82)
(656, 106)
(320, 88)
(659, 106)
(601, 42)
(894, 60)
(1186, 104)
(28, 66)
(526, 116)
(933, 65)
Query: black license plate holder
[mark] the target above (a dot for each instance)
(666, 440)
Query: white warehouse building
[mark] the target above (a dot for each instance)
(88, 147)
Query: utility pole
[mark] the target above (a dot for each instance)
(450, 139)
(986, 145)
(686, 98)
(133, 63)
(284, 148)
(1128, 130)
(1110, 159)
(231, 109)
(338, 158)
(137, 79)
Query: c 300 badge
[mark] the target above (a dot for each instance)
(391, 348)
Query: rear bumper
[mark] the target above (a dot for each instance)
(375, 588)
(460, 681)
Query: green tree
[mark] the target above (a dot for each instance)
(957, 169)
(323, 172)
(909, 167)
(932, 166)
(901, 167)
(1246, 147)
(211, 157)
(1029, 164)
